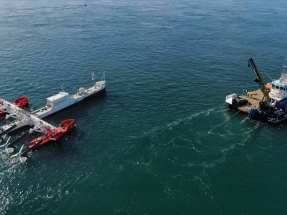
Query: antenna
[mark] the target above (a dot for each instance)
(270, 77)
(104, 76)
(93, 76)
(62, 88)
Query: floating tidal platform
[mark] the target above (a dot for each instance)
(23, 118)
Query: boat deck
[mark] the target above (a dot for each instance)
(252, 101)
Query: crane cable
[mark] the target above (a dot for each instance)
(224, 122)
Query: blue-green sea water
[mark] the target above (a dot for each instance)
(160, 141)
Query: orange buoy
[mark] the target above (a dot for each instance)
(268, 86)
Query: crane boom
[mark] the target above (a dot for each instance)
(260, 81)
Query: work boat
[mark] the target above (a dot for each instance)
(63, 100)
(268, 104)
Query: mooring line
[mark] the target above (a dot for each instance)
(223, 122)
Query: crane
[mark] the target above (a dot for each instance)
(264, 102)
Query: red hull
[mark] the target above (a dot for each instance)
(66, 126)
(21, 101)
(2, 112)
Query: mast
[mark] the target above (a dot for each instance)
(260, 81)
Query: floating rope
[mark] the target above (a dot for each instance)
(224, 121)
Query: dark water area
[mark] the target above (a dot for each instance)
(160, 141)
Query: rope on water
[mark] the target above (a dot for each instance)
(223, 122)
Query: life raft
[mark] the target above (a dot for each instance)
(268, 86)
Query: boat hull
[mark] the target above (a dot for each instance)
(54, 135)
(253, 108)
(21, 101)
(69, 102)
(95, 94)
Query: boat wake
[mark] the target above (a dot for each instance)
(169, 126)
(187, 146)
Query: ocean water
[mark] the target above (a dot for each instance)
(160, 141)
